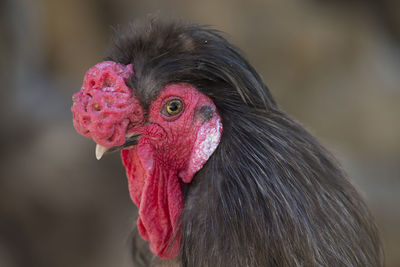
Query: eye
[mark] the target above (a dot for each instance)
(173, 107)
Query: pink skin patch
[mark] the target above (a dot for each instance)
(170, 151)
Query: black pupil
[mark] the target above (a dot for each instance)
(174, 106)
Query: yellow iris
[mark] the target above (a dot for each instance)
(174, 107)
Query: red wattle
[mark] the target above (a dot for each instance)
(157, 193)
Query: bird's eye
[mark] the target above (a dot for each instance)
(173, 107)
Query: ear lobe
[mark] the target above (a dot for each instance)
(207, 140)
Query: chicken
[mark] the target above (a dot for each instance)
(220, 174)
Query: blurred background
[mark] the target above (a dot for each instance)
(333, 64)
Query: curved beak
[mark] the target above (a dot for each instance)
(131, 140)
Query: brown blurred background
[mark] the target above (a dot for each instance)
(334, 65)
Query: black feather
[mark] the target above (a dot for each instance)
(270, 195)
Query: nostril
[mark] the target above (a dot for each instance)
(111, 139)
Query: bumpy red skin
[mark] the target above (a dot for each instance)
(169, 152)
(105, 107)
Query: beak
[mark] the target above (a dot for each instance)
(131, 140)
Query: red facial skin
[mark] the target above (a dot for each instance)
(162, 161)
(170, 151)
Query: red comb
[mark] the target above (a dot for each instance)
(104, 107)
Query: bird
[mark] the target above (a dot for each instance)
(220, 173)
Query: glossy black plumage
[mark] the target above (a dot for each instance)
(270, 195)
